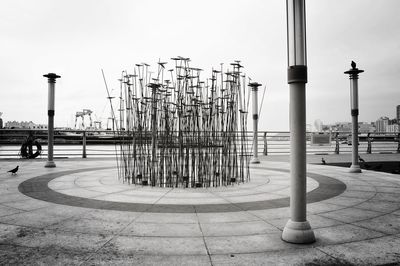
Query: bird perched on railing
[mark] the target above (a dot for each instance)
(14, 171)
(323, 160)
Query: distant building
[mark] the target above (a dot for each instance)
(366, 128)
(398, 114)
(381, 124)
(394, 128)
(318, 125)
(24, 125)
(341, 126)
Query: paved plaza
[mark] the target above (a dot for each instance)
(80, 213)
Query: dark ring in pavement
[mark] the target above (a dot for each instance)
(37, 188)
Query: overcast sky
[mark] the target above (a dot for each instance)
(77, 38)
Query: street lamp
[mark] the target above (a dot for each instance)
(297, 229)
(51, 78)
(353, 74)
(254, 88)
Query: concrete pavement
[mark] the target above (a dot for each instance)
(80, 213)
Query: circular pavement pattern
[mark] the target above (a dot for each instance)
(98, 188)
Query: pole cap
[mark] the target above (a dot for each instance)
(254, 85)
(354, 71)
(51, 76)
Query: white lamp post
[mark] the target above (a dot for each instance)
(254, 88)
(353, 74)
(51, 78)
(297, 229)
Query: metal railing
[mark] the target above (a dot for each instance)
(84, 144)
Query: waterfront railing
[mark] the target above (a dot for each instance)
(101, 143)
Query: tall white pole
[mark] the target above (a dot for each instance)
(353, 74)
(297, 229)
(254, 88)
(51, 78)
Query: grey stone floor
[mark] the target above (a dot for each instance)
(361, 225)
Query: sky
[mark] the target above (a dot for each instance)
(78, 38)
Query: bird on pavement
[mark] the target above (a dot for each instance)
(323, 160)
(14, 171)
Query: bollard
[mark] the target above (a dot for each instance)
(337, 149)
(398, 143)
(369, 141)
(84, 144)
(51, 78)
(265, 144)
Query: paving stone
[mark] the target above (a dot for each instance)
(163, 230)
(92, 226)
(238, 228)
(379, 251)
(226, 217)
(245, 244)
(388, 224)
(31, 219)
(148, 260)
(129, 245)
(350, 215)
(378, 206)
(280, 257)
(47, 239)
(343, 234)
(168, 218)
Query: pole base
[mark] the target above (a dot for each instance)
(298, 233)
(254, 160)
(50, 164)
(354, 169)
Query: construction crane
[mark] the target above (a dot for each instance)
(88, 112)
(81, 115)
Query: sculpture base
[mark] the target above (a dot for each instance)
(354, 169)
(298, 233)
(50, 164)
(254, 160)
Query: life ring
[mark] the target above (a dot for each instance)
(27, 151)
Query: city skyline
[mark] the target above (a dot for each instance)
(78, 39)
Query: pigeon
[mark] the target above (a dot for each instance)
(361, 159)
(13, 171)
(323, 160)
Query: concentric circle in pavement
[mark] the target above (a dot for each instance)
(360, 226)
(99, 188)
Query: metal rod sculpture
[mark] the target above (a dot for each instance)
(179, 131)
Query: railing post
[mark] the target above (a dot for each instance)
(369, 147)
(265, 144)
(84, 144)
(398, 143)
(337, 149)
